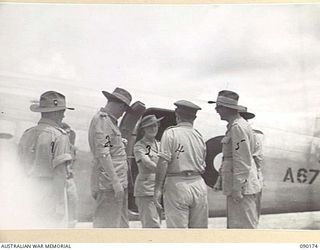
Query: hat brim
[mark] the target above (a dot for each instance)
(109, 96)
(236, 107)
(247, 115)
(37, 108)
(5, 136)
(152, 122)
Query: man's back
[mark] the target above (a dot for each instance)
(178, 176)
(43, 147)
(184, 148)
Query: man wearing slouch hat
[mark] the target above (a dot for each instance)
(109, 178)
(239, 173)
(257, 155)
(44, 152)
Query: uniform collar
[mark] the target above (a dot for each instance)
(237, 118)
(112, 118)
(185, 124)
(50, 122)
(147, 141)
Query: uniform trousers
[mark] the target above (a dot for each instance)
(258, 202)
(242, 214)
(111, 212)
(185, 202)
(148, 213)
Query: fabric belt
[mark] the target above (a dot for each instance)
(184, 173)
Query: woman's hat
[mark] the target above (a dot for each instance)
(149, 120)
(50, 101)
(228, 99)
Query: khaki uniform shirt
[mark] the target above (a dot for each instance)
(48, 145)
(105, 139)
(238, 170)
(184, 148)
(258, 155)
(145, 181)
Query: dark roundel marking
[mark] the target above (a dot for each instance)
(214, 147)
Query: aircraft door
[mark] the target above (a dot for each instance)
(129, 122)
(127, 125)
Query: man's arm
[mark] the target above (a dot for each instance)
(161, 171)
(109, 172)
(242, 161)
(162, 166)
(258, 152)
(61, 162)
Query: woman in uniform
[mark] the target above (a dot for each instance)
(146, 156)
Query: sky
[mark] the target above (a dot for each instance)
(269, 54)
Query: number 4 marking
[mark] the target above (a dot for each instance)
(316, 173)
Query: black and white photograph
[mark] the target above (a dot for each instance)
(160, 116)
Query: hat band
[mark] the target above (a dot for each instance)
(52, 106)
(226, 100)
(122, 98)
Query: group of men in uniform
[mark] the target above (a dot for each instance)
(46, 152)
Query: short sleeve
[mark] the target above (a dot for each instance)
(138, 151)
(258, 145)
(258, 153)
(61, 150)
(165, 151)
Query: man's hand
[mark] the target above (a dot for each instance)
(118, 190)
(124, 141)
(237, 196)
(157, 199)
